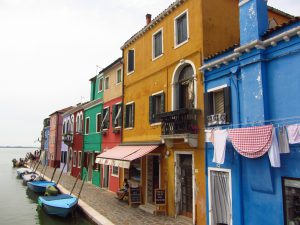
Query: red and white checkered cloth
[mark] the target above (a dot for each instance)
(252, 142)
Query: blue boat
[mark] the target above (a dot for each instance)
(60, 205)
(39, 186)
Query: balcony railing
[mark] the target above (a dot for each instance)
(182, 121)
(68, 139)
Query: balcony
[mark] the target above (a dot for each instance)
(180, 124)
(68, 139)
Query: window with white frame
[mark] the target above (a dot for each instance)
(106, 83)
(130, 61)
(157, 44)
(115, 171)
(87, 125)
(74, 159)
(100, 85)
(105, 121)
(156, 106)
(79, 159)
(98, 122)
(129, 115)
(181, 28)
(117, 115)
(119, 76)
(217, 106)
(291, 200)
(81, 123)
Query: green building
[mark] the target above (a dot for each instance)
(92, 140)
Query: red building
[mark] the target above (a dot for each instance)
(112, 121)
(75, 148)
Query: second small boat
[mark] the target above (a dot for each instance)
(39, 186)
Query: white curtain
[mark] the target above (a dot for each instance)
(220, 198)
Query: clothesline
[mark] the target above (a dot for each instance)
(275, 122)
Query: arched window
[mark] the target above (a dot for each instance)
(186, 87)
(64, 127)
(77, 123)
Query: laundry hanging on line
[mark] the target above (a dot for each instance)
(218, 139)
(293, 133)
(252, 142)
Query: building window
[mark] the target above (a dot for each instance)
(79, 159)
(217, 107)
(74, 159)
(106, 84)
(119, 76)
(291, 199)
(100, 87)
(181, 29)
(135, 170)
(156, 106)
(77, 123)
(98, 122)
(130, 63)
(129, 115)
(87, 125)
(105, 121)
(115, 171)
(117, 115)
(157, 44)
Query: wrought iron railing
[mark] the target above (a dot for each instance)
(68, 138)
(182, 121)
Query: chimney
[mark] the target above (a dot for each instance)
(253, 20)
(148, 19)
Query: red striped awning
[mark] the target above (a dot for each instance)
(121, 156)
(144, 150)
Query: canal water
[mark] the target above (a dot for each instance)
(18, 205)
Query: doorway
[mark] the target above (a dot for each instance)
(184, 185)
(105, 176)
(219, 190)
(153, 176)
(90, 166)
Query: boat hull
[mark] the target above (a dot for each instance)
(39, 186)
(61, 205)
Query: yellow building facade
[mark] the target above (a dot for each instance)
(163, 98)
(166, 55)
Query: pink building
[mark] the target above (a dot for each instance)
(55, 137)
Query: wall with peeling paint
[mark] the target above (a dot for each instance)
(265, 85)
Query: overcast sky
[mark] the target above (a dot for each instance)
(50, 48)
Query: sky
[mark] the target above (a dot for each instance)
(49, 49)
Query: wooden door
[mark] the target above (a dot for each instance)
(186, 204)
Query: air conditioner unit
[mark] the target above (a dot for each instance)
(216, 119)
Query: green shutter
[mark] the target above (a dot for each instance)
(114, 113)
(120, 116)
(126, 122)
(133, 117)
(162, 102)
(150, 109)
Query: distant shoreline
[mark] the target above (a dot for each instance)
(18, 147)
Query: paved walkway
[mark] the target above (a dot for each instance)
(105, 203)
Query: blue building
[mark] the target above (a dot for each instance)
(253, 84)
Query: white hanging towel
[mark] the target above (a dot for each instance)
(293, 133)
(284, 146)
(219, 141)
(273, 152)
